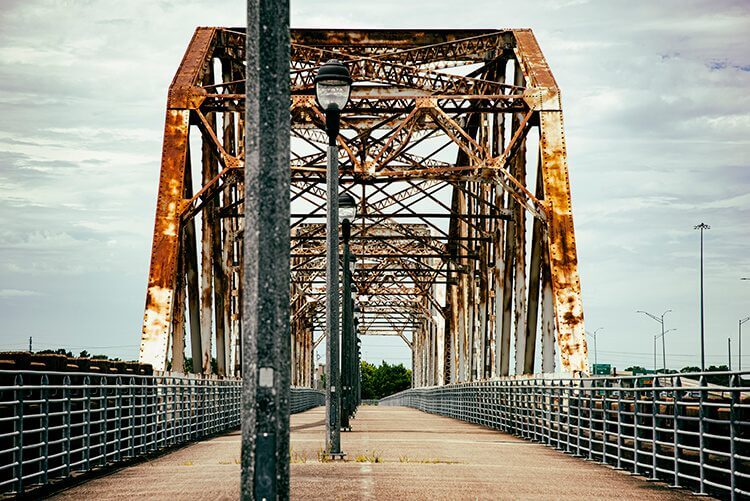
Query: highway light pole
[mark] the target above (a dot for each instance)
(702, 227)
(596, 344)
(742, 322)
(729, 352)
(659, 319)
(333, 86)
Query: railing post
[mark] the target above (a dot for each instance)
(591, 421)
(67, 424)
(636, 424)
(87, 423)
(734, 399)
(568, 389)
(118, 419)
(701, 431)
(45, 429)
(620, 389)
(605, 419)
(676, 397)
(654, 412)
(131, 393)
(18, 455)
(581, 386)
(103, 384)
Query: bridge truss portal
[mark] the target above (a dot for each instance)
(452, 144)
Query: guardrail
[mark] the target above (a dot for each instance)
(56, 424)
(679, 428)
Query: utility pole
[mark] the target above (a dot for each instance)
(702, 227)
(31, 350)
(729, 352)
(659, 319)
(596, 344)
(739, 342)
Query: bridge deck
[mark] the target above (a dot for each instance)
(420, 456)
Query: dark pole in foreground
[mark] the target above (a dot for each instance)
(265, 303)
(701, 227)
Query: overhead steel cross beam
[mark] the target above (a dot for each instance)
(464, 239)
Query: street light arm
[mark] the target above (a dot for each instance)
(657, 336)
(744, 320)
(660, 320)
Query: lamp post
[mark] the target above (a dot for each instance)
(729, 352)
(596, 344)
(656, 337)
(663, 343)
(358, 358)
(739, 342)
(702, 227)
(347, 212)
(332, 89)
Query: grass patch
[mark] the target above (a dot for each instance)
(407, 459)
(297, 457)
(323, 456)
(368, 457)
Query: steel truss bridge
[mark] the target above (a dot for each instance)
(464, 247)
(453, 145)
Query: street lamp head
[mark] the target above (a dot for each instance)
(347, 207)
(333, 85)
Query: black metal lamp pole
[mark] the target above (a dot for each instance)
(347, 212)
(332, 90)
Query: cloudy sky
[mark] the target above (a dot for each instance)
(657, 115)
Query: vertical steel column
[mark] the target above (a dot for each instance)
(265, 302)
(333, 388)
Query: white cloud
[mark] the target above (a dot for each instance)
(17, 293)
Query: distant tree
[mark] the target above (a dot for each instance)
(100, 357)
(387, 379)
(636, 369)
(84, 354)
(721, 380)
(188, 365)
(690, 368)
(59, 351)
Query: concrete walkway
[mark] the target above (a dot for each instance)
(394, 453)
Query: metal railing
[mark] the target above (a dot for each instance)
(54, 424)
(301, 399)
(682, 429)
